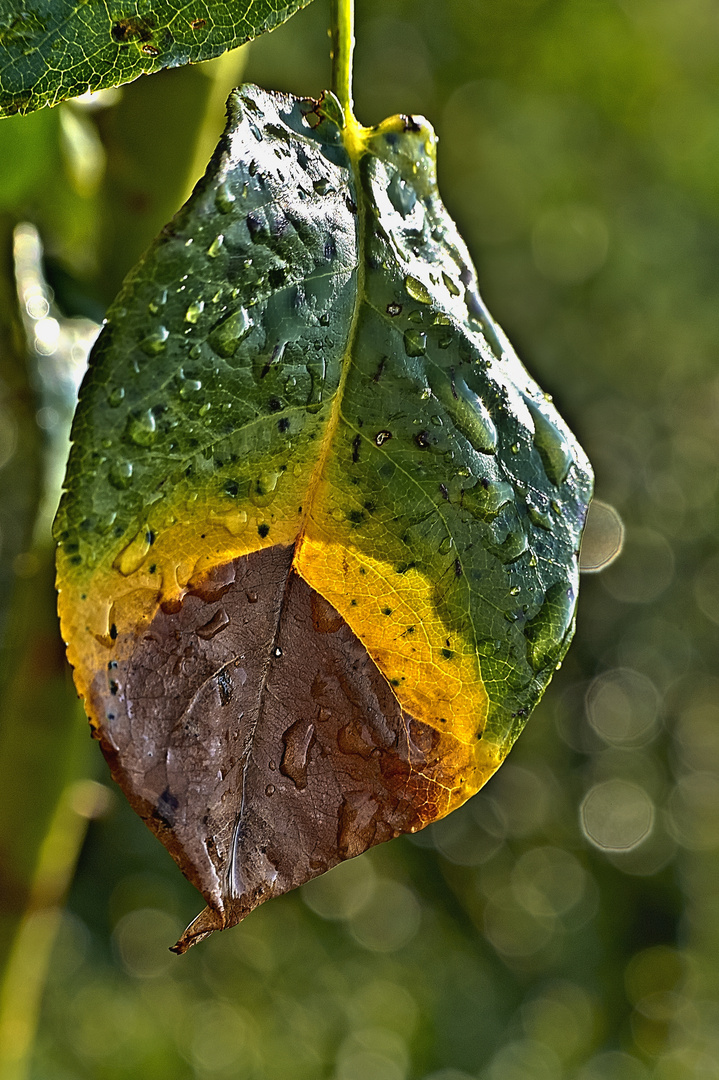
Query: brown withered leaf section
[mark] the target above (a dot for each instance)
(255, 735)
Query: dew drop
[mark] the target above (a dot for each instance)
(133, 555)
(417, 290)
(224, 198)
(538, 517)
(120, 475)
(297, 742)
(155, 343)
(219, 622)
(190, 387)
(451, 285)
(264, 488)
(235, 521)
(142, 428)
(486, 498)
(323, 186)
(115, 396)
(552, 446)
(214, 249)
(415, 343)
(226, 337)
(194, 311)
(548, 629)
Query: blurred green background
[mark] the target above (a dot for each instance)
(565, 922)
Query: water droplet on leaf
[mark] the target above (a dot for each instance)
(132, 557)
(225, 338)
(415, 343)
(155, 343)
(142, 428)
(417, 290)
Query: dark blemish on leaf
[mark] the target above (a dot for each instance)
(153, 569)
(394, 309)
(274, 404)
(382, 437)
(457, 568)
(362, 570)
(276, 278)
(132, 28)
(386, 610)
(422, 439)
(257, 228)
(411, 629)
(447, 654)
(351, 205)
(276, 352)
(283, 424)
(197, 24)
(378, 373)
(114, 687)
(454, 388)
(444, 492)
(410, 124)
(355, 516)
(224, 685)
(112, 664)
(402, 568)
(232, 488)
(485, 483)
(353, 603)
(355, 449)
(443, 719)
(113, 632)
(167, 806)
(263, 529)
(150, 50)
(394, 682)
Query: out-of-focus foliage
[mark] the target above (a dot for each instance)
(562, 925)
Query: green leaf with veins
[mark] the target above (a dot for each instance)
(55, 49)
(318, 548)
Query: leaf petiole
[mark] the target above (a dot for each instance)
(342, 35)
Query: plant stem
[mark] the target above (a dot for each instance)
(342, 19)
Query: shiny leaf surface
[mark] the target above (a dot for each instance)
(54, 49)
(318, 549)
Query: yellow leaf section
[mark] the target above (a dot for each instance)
(104, 610)
(434, 677)
(394, 617)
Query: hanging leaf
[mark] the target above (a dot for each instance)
(318, 549)
(55, 49)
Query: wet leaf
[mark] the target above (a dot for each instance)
(55, 49)
(318, 549)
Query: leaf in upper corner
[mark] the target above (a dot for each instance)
(318, 548)
(55, 49)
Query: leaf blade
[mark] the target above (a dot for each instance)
(55, 49)
(347, 405)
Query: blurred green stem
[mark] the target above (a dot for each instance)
(40, 753)
(342, 17)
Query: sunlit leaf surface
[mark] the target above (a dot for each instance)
(318, 551)
(54, 49)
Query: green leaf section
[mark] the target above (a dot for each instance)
(55, 49)
(303, 355)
